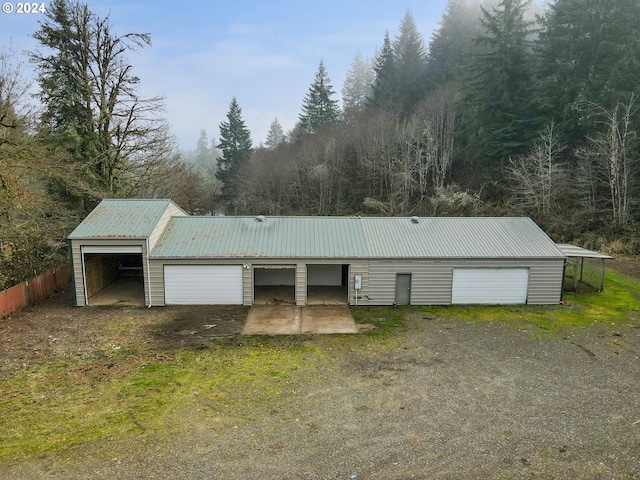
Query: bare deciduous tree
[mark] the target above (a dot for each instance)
(92, 103)
(535, 179)
(615, 150)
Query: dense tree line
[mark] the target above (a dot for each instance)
(509, 111)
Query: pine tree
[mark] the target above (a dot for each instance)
(203, 155)
(400, 71)
(383, 91)
(319, 108)
(275, 136)
(235, 143)
(452, 44)
(357, 85)
(411, 63)
(499, 89)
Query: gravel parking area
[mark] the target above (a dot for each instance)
(447, 400)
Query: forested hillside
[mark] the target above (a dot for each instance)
(505, 109)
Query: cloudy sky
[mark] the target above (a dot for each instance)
(265, 53)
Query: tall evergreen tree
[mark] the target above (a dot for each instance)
(319, 108)
(203, 155)
(383, 91)
(235, 143)
(275, 136)
(452, 44)
(499, 90)
(357, 85)
(411, 63)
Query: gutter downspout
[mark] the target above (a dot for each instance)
(148, 273)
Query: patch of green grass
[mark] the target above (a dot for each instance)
(618, 304)
(49, 407)
(386, 320)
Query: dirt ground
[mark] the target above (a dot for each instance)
(447, 400)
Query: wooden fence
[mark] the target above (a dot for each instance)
(33, 291)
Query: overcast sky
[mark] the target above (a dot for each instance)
(265, 53)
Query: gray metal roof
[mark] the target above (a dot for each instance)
(574, 251)
(121, 218)
(280, 237)
(457, 237)
(353, 237)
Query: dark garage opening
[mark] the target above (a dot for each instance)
(114, 278)
(327, 284)
(274, 285)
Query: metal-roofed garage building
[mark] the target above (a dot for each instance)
(351, 260)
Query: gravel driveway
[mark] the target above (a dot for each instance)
(450, 400)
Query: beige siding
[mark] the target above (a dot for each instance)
(361, 268)
(171, 211)
(431, 280)
(247, 286)
(545, 282)
(78, 274)
(301, 283)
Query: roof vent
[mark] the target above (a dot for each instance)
(260, 218)
(415, 220)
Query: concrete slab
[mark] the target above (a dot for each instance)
(272, 320)
(274, 295)
(327, 319)
(124, 291)
(326, 295)
(293, 320)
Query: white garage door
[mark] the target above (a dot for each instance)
(203, 284)
(490, 285)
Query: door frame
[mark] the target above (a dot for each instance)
(408, 274)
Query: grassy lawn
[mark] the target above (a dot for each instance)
(50, 405)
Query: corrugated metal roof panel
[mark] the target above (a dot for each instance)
(457, 237)
(353, 237)
(575, 251)
(275, 237)
(121, 218)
